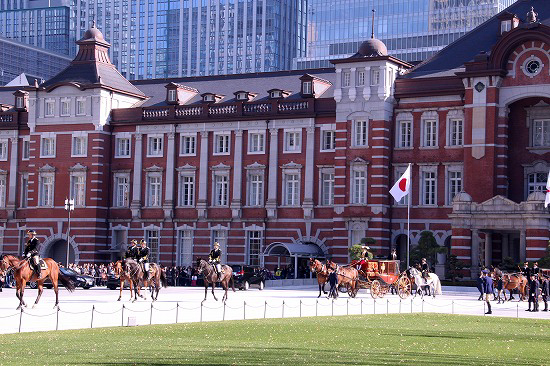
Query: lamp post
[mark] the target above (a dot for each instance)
(69, 206)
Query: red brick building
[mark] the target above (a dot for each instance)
(289, 163)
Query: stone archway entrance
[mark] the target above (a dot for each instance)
(58, 252)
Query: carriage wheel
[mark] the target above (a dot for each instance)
(404, 287)
(375, 289)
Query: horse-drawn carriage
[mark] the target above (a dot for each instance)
(380, 275)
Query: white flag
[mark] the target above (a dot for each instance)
(402, 187)
(547, 198)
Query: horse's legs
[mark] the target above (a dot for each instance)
(40, 287)
(319, 290)
(22, 285)
(131, 289)
(206, 284)
(214, 286)
(121, 287)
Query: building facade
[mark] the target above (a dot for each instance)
(290, 164)
(169, 38)
(412, 30)
(17, 58)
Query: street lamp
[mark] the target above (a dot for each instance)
(69, 206)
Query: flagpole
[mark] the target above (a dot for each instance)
(408, 221)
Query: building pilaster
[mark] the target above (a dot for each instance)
(271, 204)
(203, 176)
(308, 191)
(135, 205)
(237, 175)
(170, 164)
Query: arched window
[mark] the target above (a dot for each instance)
(536, 182)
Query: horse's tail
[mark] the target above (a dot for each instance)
(66, 281)
(438, 287)
(163, 281)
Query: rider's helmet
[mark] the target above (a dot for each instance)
(133, 242)
(216, 245)
(423, 260)
(142, 241)
(31, 231)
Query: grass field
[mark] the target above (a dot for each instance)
(411, 339)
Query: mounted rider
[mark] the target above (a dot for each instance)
(143, 258)
(214, 258)
(31, 252)
(132, 252)
(425, 270)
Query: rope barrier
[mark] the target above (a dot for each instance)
(75, 313)
(229, 307)
(164, 309)
(9, 316)
(273, 307)
(137, 311)
(41, 316)
(206, 307)
(102, 313)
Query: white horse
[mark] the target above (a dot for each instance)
(433, 282)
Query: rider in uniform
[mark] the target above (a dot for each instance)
(425, 269)
(31, 252)
(214, 258)
(142, 254)
(132, 252)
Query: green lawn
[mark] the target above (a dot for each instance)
(407, 339)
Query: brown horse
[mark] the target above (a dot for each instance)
(322, 274)
(512, 281)
(347, 277)
(123, 277)
(23, 274)
(211, 277)
(157, 279)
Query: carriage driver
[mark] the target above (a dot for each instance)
(214, 259)
(31, 252)
(142, 255)
(425, 270)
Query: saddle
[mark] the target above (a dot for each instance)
(42, 264)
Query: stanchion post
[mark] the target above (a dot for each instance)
(122, 314)
(422, 306)
(483, 308)
(374, 306)
(223, 316)
(283, 314)
(387, 306)
(347, 307)
(452, 306)
(517, 310)
(57, 319)
(316, 303)
(300, 308)
(265, 309)
(332, 307)
(151, 315)
(244, 310)
(201, 312)
(92, 321)
(20, 319)
(411, 306)
(361, 306)
(399, 306)
(177, 311)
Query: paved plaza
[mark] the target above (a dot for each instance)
(98, 307)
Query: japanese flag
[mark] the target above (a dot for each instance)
(547, 199)
(402, 187)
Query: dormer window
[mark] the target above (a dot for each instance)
(179, 94)
(307, 87)
(172, 95)
(244, 96)
(208, 98)
(19, 102)
(505, 26)
(211, 97)
(275, 94)
(508, 21)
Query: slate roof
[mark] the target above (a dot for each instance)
(481, 38)
(226, 85)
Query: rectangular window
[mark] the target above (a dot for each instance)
(26, 149)
(24, 190)
(454, 185)
(122, 191)
(254, 246)
(306, 87)
(50, 108)
(3, 191)
(327, 189)
(19, 102)
(430, 133)
(221, 190)
(171, 95)
(187, 190)
(361, 133)
(536, 182)
(292, 190)
(220, 236)
(256, 142)
(152, 238)
(154, 146)
(455, 132)
(4, 150)
(541, 133)
(293, 141)
(122, 147)
(188, 144)
(256, 190)
(78, 189)
(360, 78)
(505, 26)
(65, 107)
(346, 79)
(222, 144)
(404, 134)
(185, 248)
(328, 140)
(48, 147)
(359, 187)
(46, 191)
(79, 146)
(428, 188)
(80, 106)
(154, 185)
(374, 77)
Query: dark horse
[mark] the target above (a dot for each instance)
(211, 277)
(23, 274)
(347, 277)
(321, 272)
(134, 272)
(121, 274)
(156, 280)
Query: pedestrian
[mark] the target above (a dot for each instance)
(480, 286)
(534, 293)
(545, 291)
(333, 281)
(487, 289)
(500, 287)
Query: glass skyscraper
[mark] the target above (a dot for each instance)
(412, 30)
(175, 38)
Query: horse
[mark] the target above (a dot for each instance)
(432, 282)
(211, 277)
(512, 281)
(23, 274)
(123, 277)
(156, 280)
(322, 274)
(347, 277)
(134, 272)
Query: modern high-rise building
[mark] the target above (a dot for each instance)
(172, 38)
(412, 30)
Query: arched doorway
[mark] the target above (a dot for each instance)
(58, 252)
(298, 253)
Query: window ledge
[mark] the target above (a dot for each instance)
(359, 147)
(292, 151)
(328, 150)
(122, 156)
(453, 147)
(256, 152)
(194, 154)
(538, 149)
(403, 148)
(221, 154)
(428, 147)
(154, 156)
(47, 156)
(185, 206)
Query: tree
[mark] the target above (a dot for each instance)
(356, 250)
(427, 248)
(454, 267)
